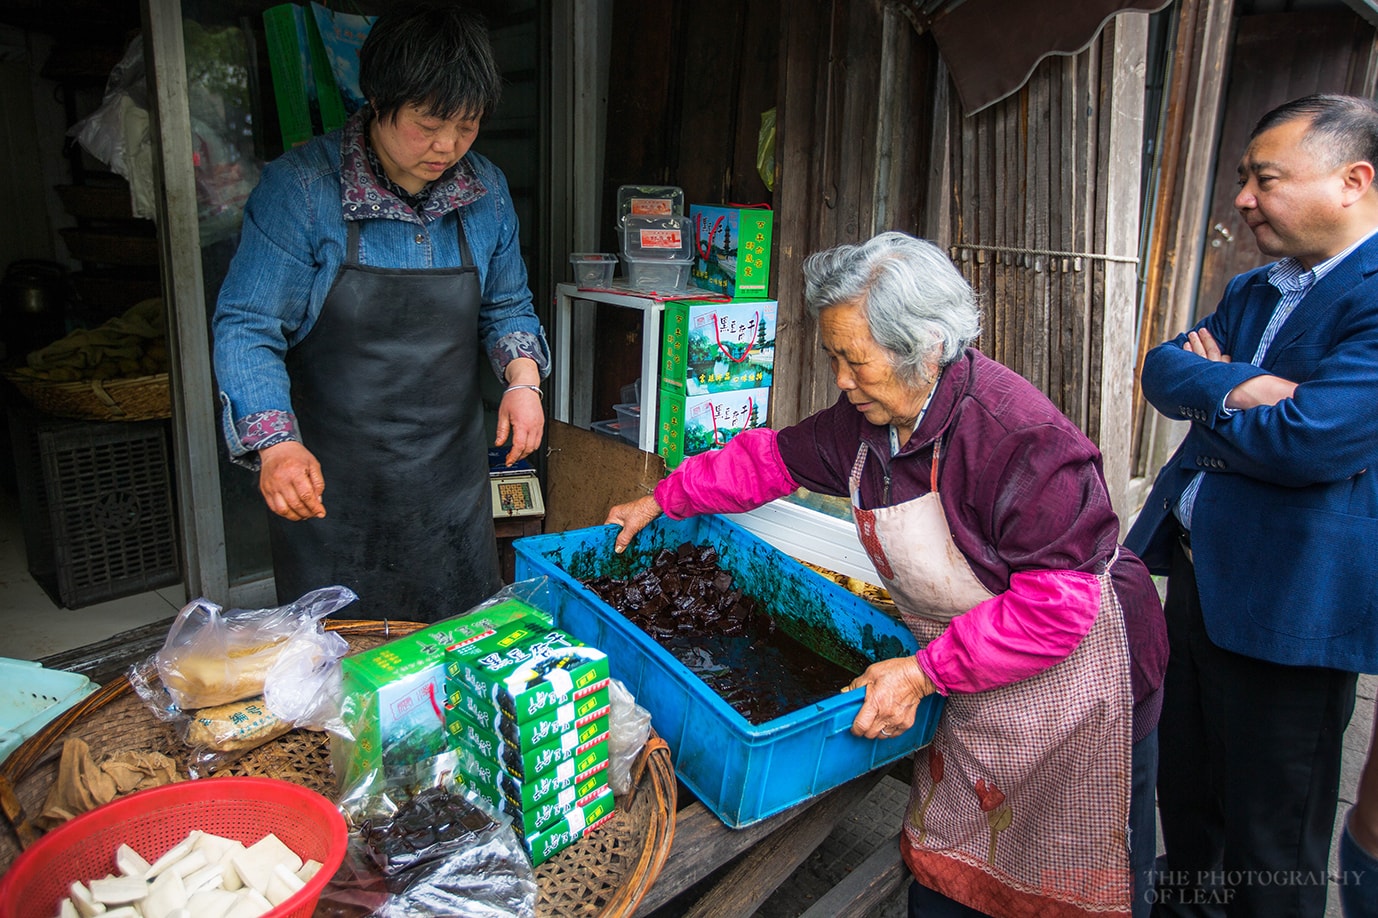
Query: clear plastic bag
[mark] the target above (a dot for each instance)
(231, 681)
(213, 657)
(629, 726)
(419, 846)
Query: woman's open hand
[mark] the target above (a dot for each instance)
(290, 480)
(633, 517)
(894, 689)
(521, 415)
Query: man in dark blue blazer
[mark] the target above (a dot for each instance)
(1266, 522)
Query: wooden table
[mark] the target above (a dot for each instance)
(748, 863)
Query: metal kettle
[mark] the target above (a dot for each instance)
(33, 305)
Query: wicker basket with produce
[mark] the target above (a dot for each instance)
(117, 371)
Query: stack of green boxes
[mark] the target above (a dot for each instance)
(527, 708)
(393, 694)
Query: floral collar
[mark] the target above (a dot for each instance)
(365, 192)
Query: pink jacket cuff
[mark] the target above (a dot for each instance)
(743, 475)
(1032, 626)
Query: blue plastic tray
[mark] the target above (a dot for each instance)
(741, 771)
(31, 697)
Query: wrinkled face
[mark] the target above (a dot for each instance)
(864, 372)
(1292, 202)
(416, 148)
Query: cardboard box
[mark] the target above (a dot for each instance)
(718, 347)
(587, 758)
(393, 694)
(521, 764)
(535, 676)
(496, 640)
(541, 814)
(525, 762)
(573, 772)
(692, 424)
(731, 250)
(460, 700)
(587, 815)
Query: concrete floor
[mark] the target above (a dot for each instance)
(33, 625)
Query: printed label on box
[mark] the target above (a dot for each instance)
(718, 347)
(461, 699)
(692, 424)
(650, 207)
(661, 239)
(499, 785)
(584, 818)
(731, 249)
(535, 675)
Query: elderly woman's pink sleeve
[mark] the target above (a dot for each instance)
(1032, 626)
(743, 475)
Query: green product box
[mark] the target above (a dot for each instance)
(393, 694)
(710, 347)
(529, 678)
(586, 816)
(591, 758)
(525, 763)
(539, 815)
(532, 733)
(459, 654)
(575, 772)
(731, 250)
(692, 424)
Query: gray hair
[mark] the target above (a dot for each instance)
(918, 306)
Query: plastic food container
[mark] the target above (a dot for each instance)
(152, 821)
(649, 201)
(613, 428)
(629, 416)
(658, 276)
(667, 238)
(741, 771)
(593, 270)
(32, 696)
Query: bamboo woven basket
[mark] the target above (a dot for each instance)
(138, 398)
(605, 874)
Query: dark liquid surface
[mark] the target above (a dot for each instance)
(687, 603)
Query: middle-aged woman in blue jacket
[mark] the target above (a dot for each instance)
(376, 265)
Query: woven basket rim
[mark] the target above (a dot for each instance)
(654, 791)
(120, 398)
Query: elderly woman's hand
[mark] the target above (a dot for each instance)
(894, 689)
(633, 517)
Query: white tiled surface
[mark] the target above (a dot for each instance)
(32, 625)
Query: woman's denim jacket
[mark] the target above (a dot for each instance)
(293, 243)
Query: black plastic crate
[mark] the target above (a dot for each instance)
(33, 499)
(107, 489)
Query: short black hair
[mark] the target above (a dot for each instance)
(432, 54)
(1343, 129)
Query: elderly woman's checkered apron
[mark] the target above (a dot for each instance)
(1020, 805)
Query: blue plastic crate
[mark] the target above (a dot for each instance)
(32, 697)
(741, 771)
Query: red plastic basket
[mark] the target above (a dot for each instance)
(154, 820)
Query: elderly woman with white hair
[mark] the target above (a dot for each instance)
(985, 513)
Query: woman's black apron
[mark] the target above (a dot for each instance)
(386, 393)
